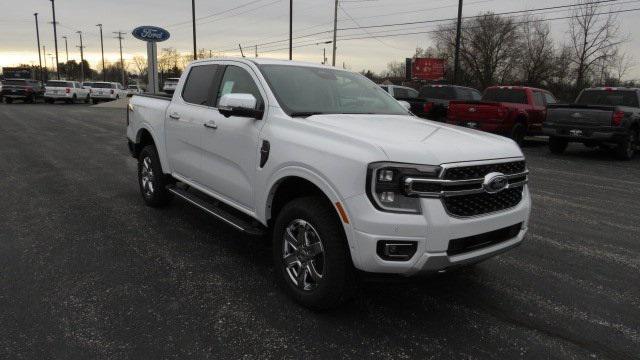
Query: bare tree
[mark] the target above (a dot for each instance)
(395, 69)
(623, 63)
(140, 63)
(489, 48)
(537, 53)
(594, 36)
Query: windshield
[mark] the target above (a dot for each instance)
(303, 91)
(59, 84)
(132, 87)
(102, 85)
(87, 84)
(515, 96)
(609, 98)
(172, 81)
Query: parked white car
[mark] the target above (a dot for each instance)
(67, 91)
(170, 85)
(334, 168)
(134, 90)
(107, 91)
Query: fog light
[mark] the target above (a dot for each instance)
(396, 250)
(388, 197)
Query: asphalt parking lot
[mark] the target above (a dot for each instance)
(87, 271)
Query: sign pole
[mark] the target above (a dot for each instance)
(152, 67)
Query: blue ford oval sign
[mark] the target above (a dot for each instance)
(150, 33)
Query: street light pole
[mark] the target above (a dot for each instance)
(193, 19)
(55, 35)
(104, 74)
(81, 57)
(66, 48)
(38, 38)
(44, 55)
(335, 32)
(290, 30)
(456, 59)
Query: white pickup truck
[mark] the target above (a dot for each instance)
(339, 174)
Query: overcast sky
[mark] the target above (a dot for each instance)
(260, 21)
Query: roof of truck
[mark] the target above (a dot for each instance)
(264, 61)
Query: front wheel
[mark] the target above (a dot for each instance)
(87, 99)
(518, 133)
(557, 145)
(626, 149)
(153, 182)
(8, 100)
(311, 257)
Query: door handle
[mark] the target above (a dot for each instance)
(211, 125)
(174, 116)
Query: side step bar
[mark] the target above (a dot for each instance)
(247, 226)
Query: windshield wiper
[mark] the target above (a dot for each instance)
(305, 113)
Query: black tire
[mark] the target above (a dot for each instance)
(557, 145)
(74, 100)
(337, 282)
(8, 100)
(627, 149)
(518, 133)
(152, 181)
(95, 101)
(87, 99)
(30, 99)
(49, 101)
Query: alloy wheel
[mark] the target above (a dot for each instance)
(303, 255)
(147, 177)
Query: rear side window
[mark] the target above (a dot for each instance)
(237, 80)
(60, 84)
(609, 98)
(514, 96)
(197, 88)
(549, 99)
(538, 98)
(433, 92)
(468, 94)
(385, 88)
(403, 93)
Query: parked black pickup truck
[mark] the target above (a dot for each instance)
(21, 89)
(599, 117)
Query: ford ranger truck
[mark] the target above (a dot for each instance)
(338, 174)
(599, 117)
(512, 111)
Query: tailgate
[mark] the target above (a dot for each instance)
(478, 111)
(576, 115)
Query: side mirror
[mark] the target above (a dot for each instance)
(243, 105)
(405, 104)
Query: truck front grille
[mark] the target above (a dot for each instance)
(482, 203)
(479, 171)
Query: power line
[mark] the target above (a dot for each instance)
(216, 14)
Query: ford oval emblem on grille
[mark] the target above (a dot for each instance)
(495, 182)
(576, 115)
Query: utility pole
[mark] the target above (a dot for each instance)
(55, 35)
(38, 38)
(335, 33)
(44, 55)
(456, 59)
(256, 50)
(241, 52)
(66, 48)
(104, 74)
(193, 18)
(290, 30)
(81, 57)
(210, 53)
(119, 37)
(324, 56)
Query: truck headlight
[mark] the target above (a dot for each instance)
(385, 185)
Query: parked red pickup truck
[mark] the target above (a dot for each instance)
(514, 111)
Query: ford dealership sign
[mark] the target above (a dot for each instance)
(150, 33)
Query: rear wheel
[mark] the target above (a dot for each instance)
(311, 256)
(8, 100)
(557, 145)
(95, 101)
(153, 182)
(518, 133)
(626, 149)
(87, 99)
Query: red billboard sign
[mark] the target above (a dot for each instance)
(428, 69)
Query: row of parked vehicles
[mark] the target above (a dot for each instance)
(29, 91)
(607, 117)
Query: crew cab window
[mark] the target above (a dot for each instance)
(538, 98)
(237, 80)
(197, 89)
(438, 92)
(609, 98)
(385, 88)
(468, 94)
(549, 99)
(59, 84)
(514, 96)
(404, 93)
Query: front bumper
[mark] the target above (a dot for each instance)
(579, 133)
(432, 230)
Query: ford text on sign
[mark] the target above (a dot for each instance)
(150, 33)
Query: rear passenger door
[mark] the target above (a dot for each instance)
(538, 111)
(230, 145)
(189, 109)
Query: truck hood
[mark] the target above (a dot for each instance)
(410, 139)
